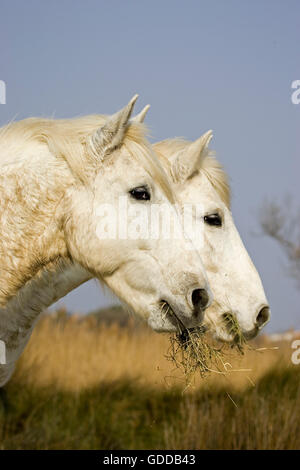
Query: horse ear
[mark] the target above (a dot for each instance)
(188, 160)
(111, 135)
(141, 116)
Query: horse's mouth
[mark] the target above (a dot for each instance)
(183, 332)
(236, 336)
(251, 334)
(169, 313)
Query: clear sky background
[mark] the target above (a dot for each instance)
(225, 65)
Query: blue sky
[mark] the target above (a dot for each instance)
(215, 64)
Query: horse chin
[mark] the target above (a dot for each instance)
(161, 325)
(165, 320)
(222, 336)
(250, 334)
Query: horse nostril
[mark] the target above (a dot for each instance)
(200, 298)
(263, 317)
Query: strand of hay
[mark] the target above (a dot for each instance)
(193, 352)
(234, 330)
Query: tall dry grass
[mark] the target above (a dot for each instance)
(81, 384)
(75, 353)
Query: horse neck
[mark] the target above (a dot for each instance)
(32, 186)
(36, 270)
(19, 316)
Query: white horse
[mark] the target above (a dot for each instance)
(54, 175)
(199, 179)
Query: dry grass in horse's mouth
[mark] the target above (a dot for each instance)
(193, 352)
(234, 330)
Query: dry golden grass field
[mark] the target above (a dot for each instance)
(83, 383)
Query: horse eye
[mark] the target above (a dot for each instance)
(213, 219)
(141, 193)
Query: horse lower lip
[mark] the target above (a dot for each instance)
(175, 319)
(172, 315)
(184, 335)
(250, 334)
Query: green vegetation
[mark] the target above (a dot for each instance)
(85, 384)
(123, 415)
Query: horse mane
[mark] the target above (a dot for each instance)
(67, 138)
(208, 165)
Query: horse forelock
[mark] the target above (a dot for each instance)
(66, 139)
(208, 165)
(139, 148)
